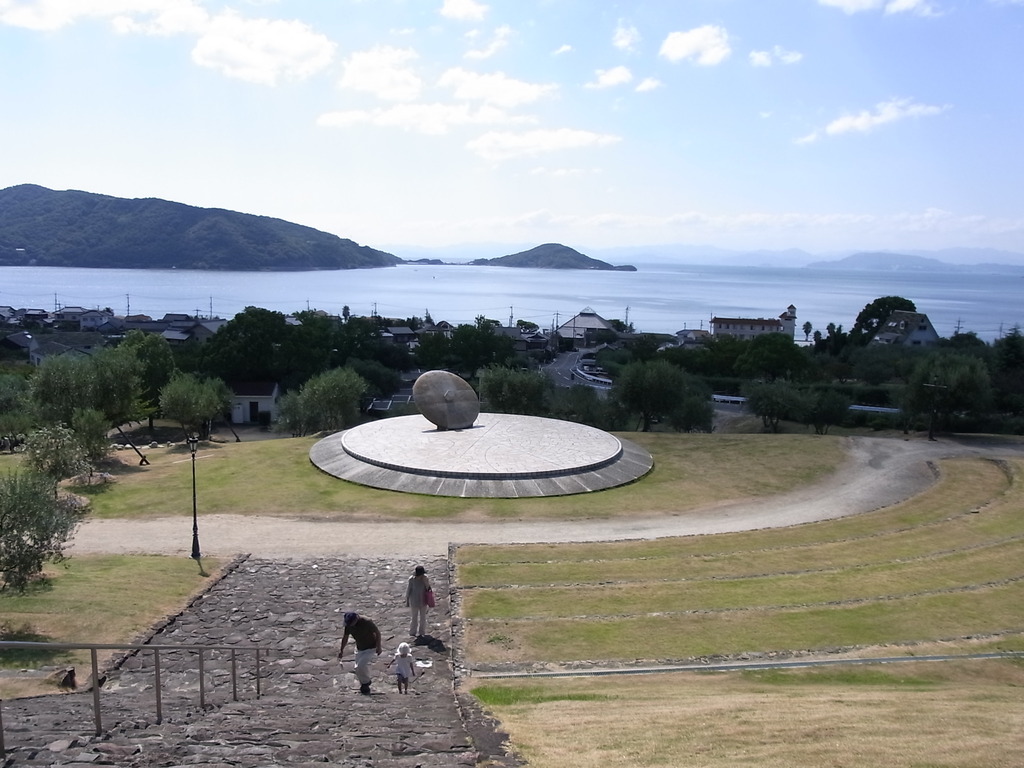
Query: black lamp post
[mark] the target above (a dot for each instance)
(931, 420)
(193, 444)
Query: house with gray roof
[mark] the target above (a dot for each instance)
(909, 329)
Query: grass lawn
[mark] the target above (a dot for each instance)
(275, 477)
(945, 564)
(93, 599)
(914, 715)
(938, 574)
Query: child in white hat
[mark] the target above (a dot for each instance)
(405, 667)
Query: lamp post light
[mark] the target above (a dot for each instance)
(931, 420)
(193, 444)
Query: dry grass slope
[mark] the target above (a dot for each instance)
(940, 573)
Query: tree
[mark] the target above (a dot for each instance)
(248, 347)
(1008, 372)
(807, 328)
(55, 452)
(90, 430)
(652, 390)
(107, 382)
(771, 356)
(944, 384)
(381, 381)
(15, 411)
(35, 524)
(116, 389)
(61, 384)
(434, 352)
(773, 402)
(722, 352)
(511, 391)
(825, 409)
(310, 348)
(874, 314)
(881, 363)
(645, 347)
(327, 402)
(694, 413)
(476, 346)
(194, 402)
(156, 366)
(583, 405)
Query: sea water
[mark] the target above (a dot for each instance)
(657, 298)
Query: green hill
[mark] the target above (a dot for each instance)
(47, 228)
(551, 256)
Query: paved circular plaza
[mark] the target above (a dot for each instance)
(500, 456)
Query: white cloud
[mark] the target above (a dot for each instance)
(261, 50)
(499, 41)
(504, 145)
(384, 72)
(463, 10)
(432, 119)
(885, 112)
(707, 45)
(648, 84)
(562, 49)
(625, 38)
(760, 58)
(54, 14)
(609, 78)
(787, 57)
(853, 6)
(257, 50)
(558, 173)
(496, 88)
(777, 53)
(918, 7)
(173, 18)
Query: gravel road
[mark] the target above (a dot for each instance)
(878, 472)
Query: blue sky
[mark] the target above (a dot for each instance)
(826, 125)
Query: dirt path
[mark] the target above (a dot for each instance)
(879, 472)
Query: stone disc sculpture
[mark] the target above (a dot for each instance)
(446, 400)
(452, 449)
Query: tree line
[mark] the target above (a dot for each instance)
(66, 409)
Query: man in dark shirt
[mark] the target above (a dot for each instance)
(367, 638)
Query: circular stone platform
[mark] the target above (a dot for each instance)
(500, 456)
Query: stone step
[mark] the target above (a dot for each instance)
(311, 711)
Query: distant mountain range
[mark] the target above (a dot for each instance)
(46, 228)
(551, 256)
(876, 261)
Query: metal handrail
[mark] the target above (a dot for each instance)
(94, 659)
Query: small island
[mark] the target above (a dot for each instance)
(551, 256)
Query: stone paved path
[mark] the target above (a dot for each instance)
(311, 711)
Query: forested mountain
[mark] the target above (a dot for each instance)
(550, 256)
(47, 228)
